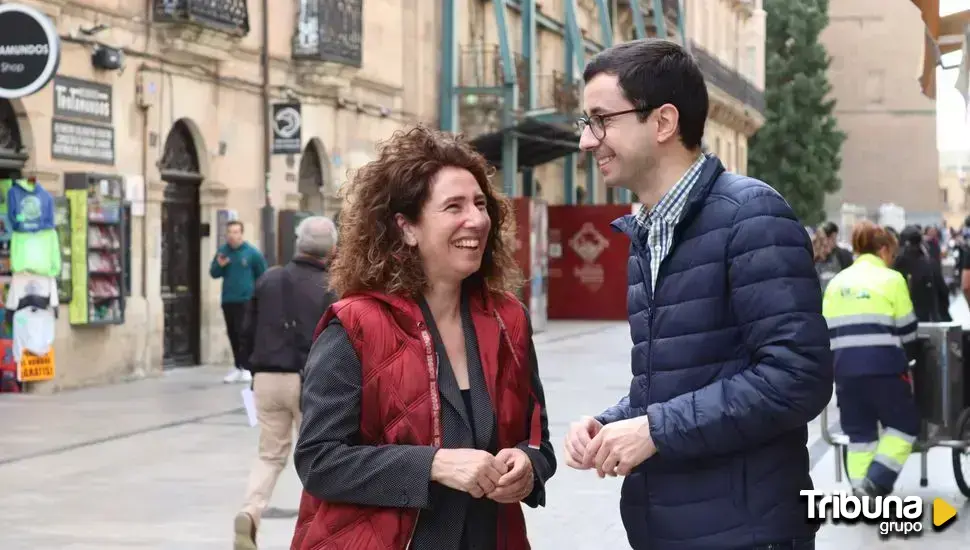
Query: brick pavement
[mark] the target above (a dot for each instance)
(161, 464)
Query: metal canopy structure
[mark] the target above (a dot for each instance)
(527, 118)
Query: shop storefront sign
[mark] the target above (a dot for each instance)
(287, 129)
(82, 100)
(82, 142)
(29, 50)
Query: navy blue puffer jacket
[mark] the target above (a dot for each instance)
(731, 360)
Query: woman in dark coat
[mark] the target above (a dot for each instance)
(924, 276)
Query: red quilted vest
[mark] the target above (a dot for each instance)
(400, 404)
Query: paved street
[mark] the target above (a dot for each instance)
(162, 464)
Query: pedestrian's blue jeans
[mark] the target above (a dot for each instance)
(797, 544)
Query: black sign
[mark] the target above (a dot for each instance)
(82, 142)
(82, 100)
(29, 50)
(287, 126)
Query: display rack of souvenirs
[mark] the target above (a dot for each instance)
(31, 297)
(62, 223)
(98, 248)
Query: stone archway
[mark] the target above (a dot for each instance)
(316, 185)
(12, 155)
(180, 262)
(311, 181)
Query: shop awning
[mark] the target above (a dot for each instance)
(942, 35)
(538, 143)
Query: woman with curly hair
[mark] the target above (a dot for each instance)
(424, 422)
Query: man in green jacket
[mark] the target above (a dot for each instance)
(239, 264)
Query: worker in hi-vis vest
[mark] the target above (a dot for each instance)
(873, 331)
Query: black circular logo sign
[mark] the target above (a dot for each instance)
(29, 50)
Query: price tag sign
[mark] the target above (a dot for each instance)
(36, 368)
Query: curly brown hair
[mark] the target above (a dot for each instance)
(372, 254)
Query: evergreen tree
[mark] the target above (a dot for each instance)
(798, 150)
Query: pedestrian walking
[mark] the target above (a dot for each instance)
(424, 416)
(873, 329)
(287, 304)
(730, 357)
(238, 264)
(924, 277)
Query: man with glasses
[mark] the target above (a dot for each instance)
(730, 355)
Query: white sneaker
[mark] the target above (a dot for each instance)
(245, 376)
(233, 376)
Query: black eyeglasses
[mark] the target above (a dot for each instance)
(597, 123)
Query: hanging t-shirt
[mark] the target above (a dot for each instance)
(38, 253)
(28, 289)
(33, 330)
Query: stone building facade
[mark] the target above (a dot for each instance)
(890, 156)
(186, 115)
(188, 138)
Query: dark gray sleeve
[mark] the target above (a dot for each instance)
(330, 459)
(544, 458)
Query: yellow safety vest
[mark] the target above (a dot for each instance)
(870, 316)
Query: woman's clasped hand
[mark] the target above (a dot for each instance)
(506, 477)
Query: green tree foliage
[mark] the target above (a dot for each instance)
(798, 150)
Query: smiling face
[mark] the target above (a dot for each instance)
(451, 231)
(625, 152)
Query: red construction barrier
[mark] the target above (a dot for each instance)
(587, 263)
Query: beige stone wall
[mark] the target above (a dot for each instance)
(214, 85)
(891, 152)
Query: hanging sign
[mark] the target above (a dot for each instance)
(30, 50)
(287, 126)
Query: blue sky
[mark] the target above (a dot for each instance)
(953, 129)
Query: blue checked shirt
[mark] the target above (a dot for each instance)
(658, 222)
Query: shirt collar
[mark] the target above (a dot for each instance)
(871, 259)
(671, 204)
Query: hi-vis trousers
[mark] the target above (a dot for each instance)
(865, 403)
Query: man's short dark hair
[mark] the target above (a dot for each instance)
(653, 72)
(236, 222)
(829, 228)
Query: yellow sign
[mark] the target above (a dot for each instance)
(943, 512)
(36, 368)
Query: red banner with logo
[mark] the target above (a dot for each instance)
(587, 263)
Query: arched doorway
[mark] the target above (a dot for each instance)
(12, 157)
(180, 271)
(314, 172)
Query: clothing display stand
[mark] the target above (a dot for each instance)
(31, 296)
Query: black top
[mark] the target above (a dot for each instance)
(466, 396)
(444, 362)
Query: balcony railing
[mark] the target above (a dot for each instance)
(480, 66)
(728, 79)
(231, 16)
(556, 92)
(330, 31)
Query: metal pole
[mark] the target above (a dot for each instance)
(267, 218)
